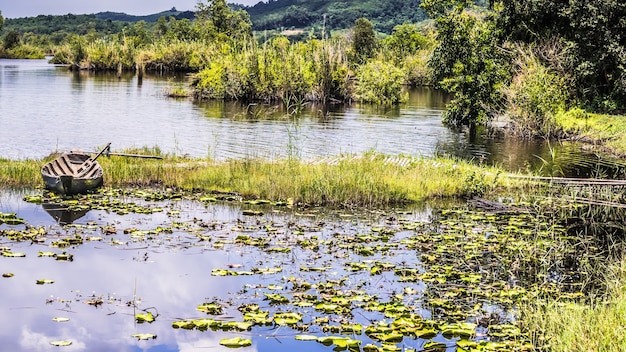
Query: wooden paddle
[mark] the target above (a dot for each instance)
(85, 167)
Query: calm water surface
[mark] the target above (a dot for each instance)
(45, 108)
(168, 274)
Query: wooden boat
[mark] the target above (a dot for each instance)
(73, 173)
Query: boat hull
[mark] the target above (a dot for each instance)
(60, 175)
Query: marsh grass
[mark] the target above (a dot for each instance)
(24, 173)
(576, 326)
(609, 131)
(367, 180)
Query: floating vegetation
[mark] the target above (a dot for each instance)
(144, 336)
(376, 280)
(10, 219)
(44, 281)
(236, 342)
(144, 317)
(61, 343)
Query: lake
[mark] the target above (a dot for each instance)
(46, 108)
(269, 274)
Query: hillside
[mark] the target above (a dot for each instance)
(275, 14)
(385, 14)
(120, 16)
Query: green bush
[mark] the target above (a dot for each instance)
(535, 96)
(380, 83)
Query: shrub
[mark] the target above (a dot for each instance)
(380, 83)
(535, 96)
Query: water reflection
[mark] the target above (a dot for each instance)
(168, 274)
(46, 108)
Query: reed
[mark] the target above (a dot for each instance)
(367, 180)
(23, 173)
(597, 325)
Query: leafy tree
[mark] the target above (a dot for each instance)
(1, 21)
(468, 62)
(12, 39)
(161, 27)
(592, 30)
(363, 40)
(218, 21)
(406, 39)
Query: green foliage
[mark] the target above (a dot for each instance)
(215, 20)
(593, 30)
(384, 14)
(535, 96)
(11, 40)
(380, 83)
(406, 39)
(1, 21)
(276, 72)
(363, 40)
(58, 28)
(468, 62)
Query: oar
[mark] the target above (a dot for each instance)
(85, 167)
(136, 155)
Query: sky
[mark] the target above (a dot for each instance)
(28, 8)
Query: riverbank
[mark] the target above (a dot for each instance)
(365, 180)
(607, 132)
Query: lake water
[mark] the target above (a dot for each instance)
(44, 108)
(125, 265)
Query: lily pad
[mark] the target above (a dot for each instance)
(13, 254)
(236, 342)
(61, 319)
(61, 343)
(144, 317)
(44, 281)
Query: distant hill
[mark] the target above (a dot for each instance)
(123, 17)
(384, 14)
(274, 14)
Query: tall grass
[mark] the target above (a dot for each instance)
(576, 326)
(368, 180)
(24, 173)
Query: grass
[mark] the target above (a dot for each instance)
(367, 180)
(573, 326)
(607, 130)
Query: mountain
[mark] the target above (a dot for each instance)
(384, 14)
(274, 14)
(123, 17)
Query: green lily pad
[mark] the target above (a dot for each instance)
(144, 317)
(8, 275)
(44, 281)
(236, 342)
(13, 254)
(212, 308)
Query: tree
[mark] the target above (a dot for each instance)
(592, 30)
(218, 21)
(468, 61)
(363, 40)
(1, 21)
(11, 40)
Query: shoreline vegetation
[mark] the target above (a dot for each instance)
(369, 180)
(552, 75)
